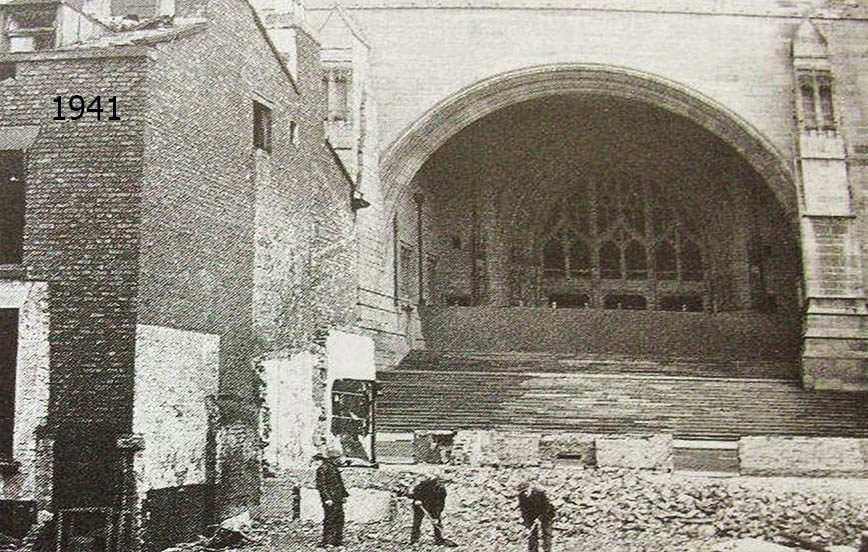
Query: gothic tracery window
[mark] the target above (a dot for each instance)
(815, 90)
(628, 232)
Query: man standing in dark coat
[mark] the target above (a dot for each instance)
(333, 494)
(537, 514)
(429, 497)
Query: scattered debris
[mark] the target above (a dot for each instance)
(8, 544)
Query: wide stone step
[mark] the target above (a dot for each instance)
(446, 361)
(719, 406)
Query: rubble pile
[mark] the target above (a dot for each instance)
(9, 544)
(607, 510)
(636, 507)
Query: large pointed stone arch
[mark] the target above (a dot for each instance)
(406, 155)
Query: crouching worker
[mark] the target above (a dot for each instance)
(332, 493)
(538, 514)
(429, 498)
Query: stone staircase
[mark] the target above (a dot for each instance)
(538, 392)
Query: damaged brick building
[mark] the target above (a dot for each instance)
(151, 251)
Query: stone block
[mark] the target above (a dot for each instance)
(803, 456)
(568, 448)
(362, 506)
(649, 452)
(433, 447)
(493, 448)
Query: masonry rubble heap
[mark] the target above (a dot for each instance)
(632, 505)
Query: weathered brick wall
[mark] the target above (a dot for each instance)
(305, 240)
(81, 236)
(252, 246)
(233, 227)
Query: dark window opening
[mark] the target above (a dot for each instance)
(580, 260)
(31, 28)
(570, 300)
(7, 71)
(8, 360)
(432, 298)
(637, 262)
(625, 302)
(338, 90)
(817, 105)
(684, 303)
(33, 18)
(691, 262)
(610, 261)
(665, 264)
(407, 271)
(825, 93)
(808, 105)
(554, 262)
(11, 207)
(43, 41)
(261, 127)
(456, 242)
(459, 301)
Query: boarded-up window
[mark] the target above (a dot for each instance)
(8, 358)
(11, 206)
(140, 8)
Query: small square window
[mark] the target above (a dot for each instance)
(261, 127)
(7, 71)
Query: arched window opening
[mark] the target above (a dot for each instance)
(554, 262)
(691, 262)
(809, 108)
(610, 261)
(580, 260)
(665, 262)
(636, 260)
(629, 234)
(825, 93)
